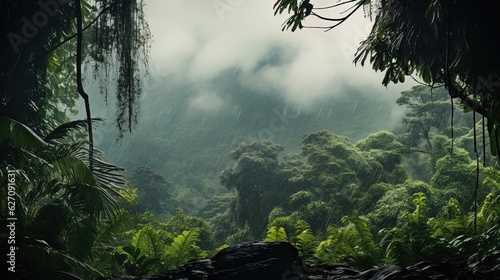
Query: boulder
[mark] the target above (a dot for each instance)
(280, 261)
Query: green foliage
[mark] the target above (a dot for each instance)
(455, 176)
(183, 248)
(408, 38)
(490, 210)
(457, 221)
(154, 192)
(241, 235)
(287, 222)
(409, 243)
(148, 253)
(352, 244)
(320, 214)
(149, 242)
(110, 235)
(299, 199)
(382, 140)
(62, 193)
(304, 240)
(258, 180)
(369, 199)
(135, 262)
(276, 234)
(126, 37)
(181, 222)
(299, 13)
(342, 175)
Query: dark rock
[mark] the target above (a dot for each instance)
(255, 260)
(280, 261)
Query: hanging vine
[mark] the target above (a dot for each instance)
(121, 46)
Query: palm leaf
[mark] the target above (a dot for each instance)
(109, 228)
(19, 134)
(40, 258)
(67, 128)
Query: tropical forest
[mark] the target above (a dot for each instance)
(233, 139)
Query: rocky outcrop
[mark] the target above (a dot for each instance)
(280, 261)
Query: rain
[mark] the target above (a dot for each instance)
(243, 124)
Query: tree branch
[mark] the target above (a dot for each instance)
(67, 39)
(340, 20)
(456, 93)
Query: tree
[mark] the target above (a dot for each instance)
(427, 128)
(42, 49)
(341, 173)
(154, 192)
(457, 176)
(447, 43)
(429, 112)
(258, 181)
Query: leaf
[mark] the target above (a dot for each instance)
(182, 248)
(364, 233)
(109, 228)
(276, 234)
(148, 241)
(305, 239)
(19, 134)
(66, 128)
(80, 241)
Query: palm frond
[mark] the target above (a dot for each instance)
(40, 258)
(67, 128)
(19, 134)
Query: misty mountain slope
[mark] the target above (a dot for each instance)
(186, 128)
(182, 127)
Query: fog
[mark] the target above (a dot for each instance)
(223, 72)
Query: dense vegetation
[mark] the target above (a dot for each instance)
(421, 191)
(366, 203)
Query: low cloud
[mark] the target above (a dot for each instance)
(207, 101)
(199, 40)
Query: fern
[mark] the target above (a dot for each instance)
(334, 249)
(182, 249)
(490, 210)
(352, 243)
(149, 242)
(135, 262)
(364, 234)
(398, 248)
(304, 241)
(276, 234)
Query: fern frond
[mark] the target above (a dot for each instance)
(367, 242)
(148, 241)
(182, 248)
(305, 241)
(276, 234)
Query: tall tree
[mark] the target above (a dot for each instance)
(40, 47)
(258, 180)
(443, 42)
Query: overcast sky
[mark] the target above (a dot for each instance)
(216, 60)
(197, 40)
